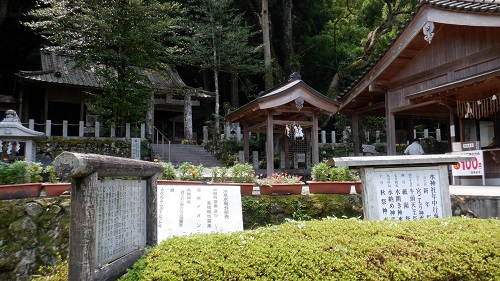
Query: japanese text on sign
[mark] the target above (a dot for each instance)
(184, 210)
(469, 168)
(120, 219)
(408, 195)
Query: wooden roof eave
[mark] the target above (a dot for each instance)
(303, 90)
(456, 84)
(424, 14)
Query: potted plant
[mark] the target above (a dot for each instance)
(242, 175)
(219, 174)
(54, 186)
(331, 179)
(191, 173)
(280, 183)
(187, 173)
(20, 179)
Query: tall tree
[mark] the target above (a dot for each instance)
(382, 18)
(119, 39)
(217, 38)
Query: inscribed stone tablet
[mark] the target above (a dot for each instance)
(120, 218)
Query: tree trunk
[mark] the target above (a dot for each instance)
(188, 116)
(369, 49)
(287, 37)
(3, 10)
(150, 116)
(268, 69)
(235, 102)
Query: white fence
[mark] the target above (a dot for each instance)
(67, 130)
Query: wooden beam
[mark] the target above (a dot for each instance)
(468, 61)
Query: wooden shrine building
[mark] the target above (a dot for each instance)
(444, 63)
(60, 91)
(291, 109)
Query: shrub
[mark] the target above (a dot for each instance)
(434, 249)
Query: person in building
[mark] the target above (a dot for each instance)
(414, 148)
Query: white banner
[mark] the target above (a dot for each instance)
(190, 209)
(469, 168)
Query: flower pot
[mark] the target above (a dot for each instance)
(56, 189)
(178, 182)
(246, 188)
(331, 187)
(357, 185)
(291, 188)
(22, 190)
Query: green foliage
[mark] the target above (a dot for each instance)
(333, 249)
(168, 171)
(243, 172)
(51, 174)
(190, 172)
(324, 172)
(278, 178)
(20, 172)
(219, 174)
(118, 39)
(58, 272)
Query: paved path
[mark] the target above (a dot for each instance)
(475, 190)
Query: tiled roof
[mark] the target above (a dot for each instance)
(60, 69)
(470, 6)
(466, 5)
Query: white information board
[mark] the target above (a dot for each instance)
(407, 194)
(469, 168)
(190, 209)
(136, 148)
(120, 219)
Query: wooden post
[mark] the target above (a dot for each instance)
(85, 169)
(269, 143)
(355, 133)
(315, 147)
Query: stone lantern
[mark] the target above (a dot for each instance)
(17, 140)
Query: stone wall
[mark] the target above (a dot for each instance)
(52, 147)
(34, 232)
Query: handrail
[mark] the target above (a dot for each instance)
(163, 138)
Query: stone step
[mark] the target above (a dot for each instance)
(179, 154)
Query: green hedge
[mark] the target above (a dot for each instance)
(435, 249)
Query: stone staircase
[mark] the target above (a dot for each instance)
(180, 153)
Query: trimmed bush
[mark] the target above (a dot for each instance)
(332, 249)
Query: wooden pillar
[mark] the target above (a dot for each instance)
(287, 151)
(315, 147)
(355, 133)
(82, 235)
(246, 142)
(390, 128)
(269, 143)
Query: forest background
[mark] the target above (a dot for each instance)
(329, 42)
